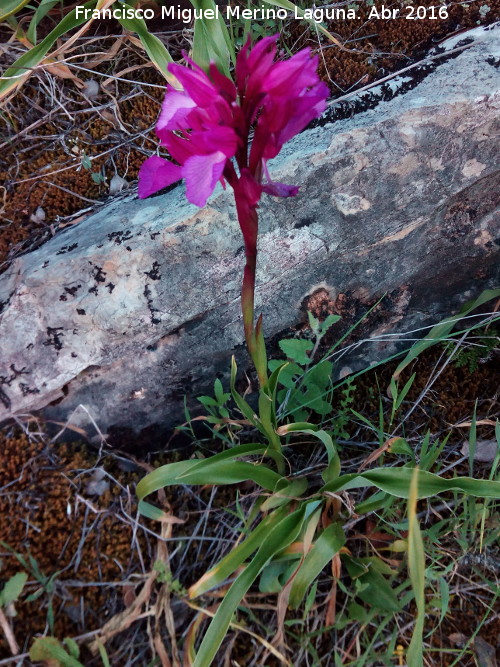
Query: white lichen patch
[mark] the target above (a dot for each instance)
(350, 204)
(437, 163)
(473, 168)
(408, 135)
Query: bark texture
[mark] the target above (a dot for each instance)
(138, 304)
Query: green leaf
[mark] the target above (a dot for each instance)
(283, 534)
(243, 406)
(207, 472)
(328, 323)
(333, 469)
(356, 567)
(72, 646)
(288, 374)
(103, 653)
(173, 473)
(320, 374)
(86, 161)
(24, 65)
(444, 598)
(401, 446)
(296, 348)
(285, 492)
(398, 398)
(397, 481)
(47, 649)
(376, 502)
(154, 47)
(331, 540)
(356, 612)
(313, 322)
(11, 7)
(377, 592)
(276, 574)
(219, 393)
(211, 41)
(444, 328)
(227, 566)
(430, 453)
(42, 10)
(208, 401)
(416, 569)
(13, 588)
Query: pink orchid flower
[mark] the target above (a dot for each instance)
(208, 123)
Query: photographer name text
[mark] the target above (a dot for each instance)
(318, 14)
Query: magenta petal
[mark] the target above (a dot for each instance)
(202, 173)
(180, 148)
(156, 173)
(196, 83)
(226, 86)
(219, 138)
(176, 106)
(280, 189)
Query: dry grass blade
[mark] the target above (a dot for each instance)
(163, 605)
(332, 596)
(108, 55)
(161, 651)
(8, 633)
(125, 619)
(479, 422)
(374, 456)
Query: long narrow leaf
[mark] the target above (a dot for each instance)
(396, 481)
(11, 7)
(416, 568)
(279, 538)
(333, 469)
(331, 540)
(230, 563)
(43, 8)
(245, 409)
(154, 47)
(226, 472)
(24, 65)
(211, 41)
(285, 491)
(173, 473)
(444, 328)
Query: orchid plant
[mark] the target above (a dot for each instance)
(206, 128)
(207, 125)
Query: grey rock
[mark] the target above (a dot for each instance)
(138, 304)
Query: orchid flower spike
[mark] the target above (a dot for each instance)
(208, 123)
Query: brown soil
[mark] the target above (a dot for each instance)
(49, 129)
(51, 518)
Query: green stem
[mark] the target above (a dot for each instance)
(249, 224)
